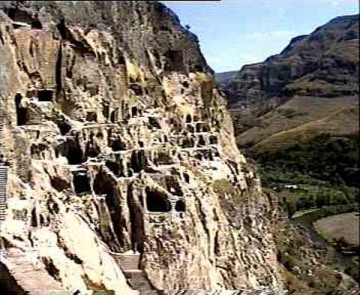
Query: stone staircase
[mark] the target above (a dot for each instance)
(137, 279)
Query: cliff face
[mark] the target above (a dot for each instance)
(324, 63)
(118, 142)
(298, 111)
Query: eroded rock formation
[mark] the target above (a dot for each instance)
(117, 144)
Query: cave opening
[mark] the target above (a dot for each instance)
(113, 116)
(188, 118)
(206, 128)
(81, 183)
(36, 23)
(136, 88)
(102, 186)
(156, 201)
(185, 84)
(213, 139)
(63, 126)
(186, 177)
(188, 143)
(163, 159)
(138, 161)
(114, 167)
(59, 184)
(180, 206)
(202, 141)
(74, 153)
(18, 15)
(106, 111)
(45, 95)
(134, 111)
(190, 128)
(21, 112)
(91, 150)
(199, 127)
(118, 145)
(153, 122)
(121, 60)
(91, 117)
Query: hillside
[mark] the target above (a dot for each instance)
(114, 143)
(295, 99)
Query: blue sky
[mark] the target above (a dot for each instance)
(237, 32)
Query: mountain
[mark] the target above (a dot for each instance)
(297, 112)
(120, 169)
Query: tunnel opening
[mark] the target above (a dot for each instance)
(92, 150)
(74, 153)
(36, 23)
(106, 111)
(134, 111)
(81, 183)
(138, 161)
(136, 88)
(114, 167)
(202, 141)
(59, 184)
(180, 206)
(153, 122)
(121, 60)
(156, 201)
(113, 116)
(18, 15)
(213, 139)
(45, 95)
(118, 145)
(91, 117)
(188, 143)
(190, 128)
(22, 114)
(104, 186)
(185, 84)
(63, 127)
(163, 159)
(188, 118)
(186, 177)
(206, 128)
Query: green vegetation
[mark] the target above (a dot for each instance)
(325, 158)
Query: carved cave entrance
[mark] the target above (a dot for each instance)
(45, 95)
(156, 201)
(81, 183)
(21, 113)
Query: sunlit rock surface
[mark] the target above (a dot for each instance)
(123, 169)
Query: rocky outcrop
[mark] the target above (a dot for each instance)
(117, 140)
(324, 63)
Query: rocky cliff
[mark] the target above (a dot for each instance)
(121, 165)
(297, 111)
(324, 63)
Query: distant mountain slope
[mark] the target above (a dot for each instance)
(324, 63)
(302, 99)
